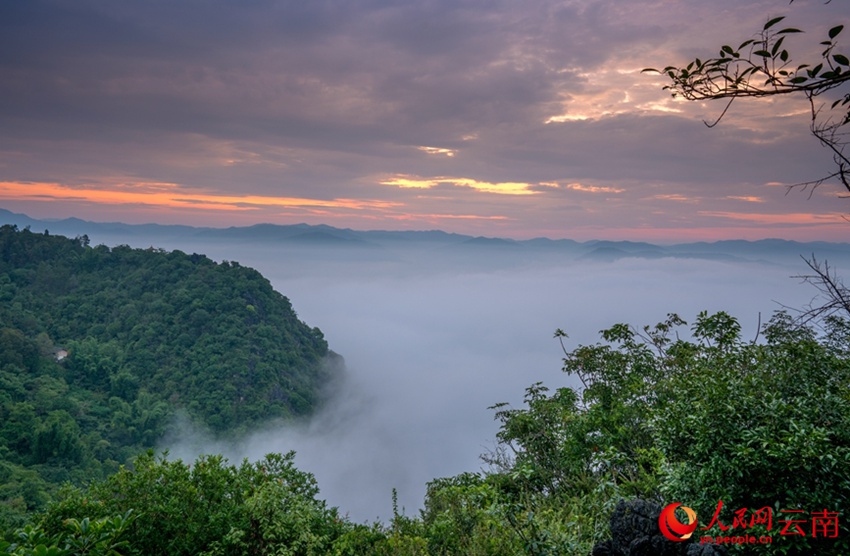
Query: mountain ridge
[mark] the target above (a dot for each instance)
(318, 236)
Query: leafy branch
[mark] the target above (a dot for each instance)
(762, 66)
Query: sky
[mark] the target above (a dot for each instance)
(483, 117)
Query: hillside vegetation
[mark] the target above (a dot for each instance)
(100, 347)
(753, 436)
(733, 429)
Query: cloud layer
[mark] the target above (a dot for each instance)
(432, 342)
(515, 119)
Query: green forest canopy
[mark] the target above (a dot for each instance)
(100, 347)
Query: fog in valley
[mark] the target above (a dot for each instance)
(428, 353)
(435, 332)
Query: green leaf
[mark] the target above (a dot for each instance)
(788, 30)
(798, 79)
(841, 59)
(783, 55)
(764, 53)
(835, 30)
(727, 48)
(773, 22)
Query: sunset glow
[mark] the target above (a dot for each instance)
(800, 218)
(506, 188)
(517, 120)
(171, 196)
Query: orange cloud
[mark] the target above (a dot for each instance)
(501, 188)
(172, 196)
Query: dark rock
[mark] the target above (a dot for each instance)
(695, 549)
(635, 532)
(602, 549)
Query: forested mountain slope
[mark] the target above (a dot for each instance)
(100, 347)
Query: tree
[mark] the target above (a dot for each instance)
(100, 537)
(208, 507)
(700, 420)
(763, 67)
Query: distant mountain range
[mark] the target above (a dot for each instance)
(387, 244)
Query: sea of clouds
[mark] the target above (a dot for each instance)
(430, 345)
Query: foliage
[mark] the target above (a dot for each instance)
(100, 347)
(697, 416)
(763, 66)
(700, 420)
(91, 537)
(210, 507)
(763, 425)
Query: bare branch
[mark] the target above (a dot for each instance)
(833, 296)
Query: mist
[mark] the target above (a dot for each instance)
(430, 343)
(435, 329)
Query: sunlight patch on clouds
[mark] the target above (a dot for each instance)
(567, 118)
(614, 92)
(437, 150)
(624, 90)
(172, 196)
(661, 107)
(501, 188)
(412, 183)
